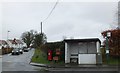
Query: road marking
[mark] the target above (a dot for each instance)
(9, 54)
(9, 61)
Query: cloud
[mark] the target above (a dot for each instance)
(76, 19)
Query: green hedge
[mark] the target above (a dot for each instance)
(41, 57)
(53, 46)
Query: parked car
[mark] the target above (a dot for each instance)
(15, 51)
(21, 50)
(26, 49)
(29, 48)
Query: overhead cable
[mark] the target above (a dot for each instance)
(51, 11)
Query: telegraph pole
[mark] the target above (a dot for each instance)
(41, 27)
(8, 34)
(7, 39)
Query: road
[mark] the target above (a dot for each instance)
(18, 62)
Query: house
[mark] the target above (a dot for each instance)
(3, 43)
(15, 43)
(12, 44)
(83, 51)
(19, 43)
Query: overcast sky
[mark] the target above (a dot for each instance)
(70, 19)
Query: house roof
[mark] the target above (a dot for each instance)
(19, 41)
(16, 41)
(3, 42)
(12, 41)
(83, 40)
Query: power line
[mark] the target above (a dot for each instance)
(51, 11)
(49, 14)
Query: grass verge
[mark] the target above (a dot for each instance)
(41, 57)
(112, 61)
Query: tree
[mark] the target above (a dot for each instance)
(39, 39)
(114, 41)
(28, 37)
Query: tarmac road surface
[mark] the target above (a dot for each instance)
(18, 62)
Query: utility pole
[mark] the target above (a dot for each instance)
(7, 39)
(41, 27)
(8, 34)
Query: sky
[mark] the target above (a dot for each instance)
(71, 19)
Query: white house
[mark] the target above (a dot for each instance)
(19, 43)
(83, 51)
(12, 43)
(15, 43)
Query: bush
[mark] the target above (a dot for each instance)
(53, 46)
(103, 54)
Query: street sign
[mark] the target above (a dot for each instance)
(107, 51)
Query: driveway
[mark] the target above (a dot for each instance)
(18, 62)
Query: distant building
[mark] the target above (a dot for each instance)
(15, 43)
(19, 43)
(83, 51)
(3, 43)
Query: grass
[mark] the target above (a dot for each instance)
(40, 57)
(113, 61)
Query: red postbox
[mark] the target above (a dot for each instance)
(49, 55)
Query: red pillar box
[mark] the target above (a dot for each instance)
(49, 55)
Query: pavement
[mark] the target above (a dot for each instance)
(73, 67)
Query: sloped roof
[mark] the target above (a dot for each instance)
(12, 41)
(16, 41)
(3, 42)
(19, 41)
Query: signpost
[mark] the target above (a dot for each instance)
(107, 45)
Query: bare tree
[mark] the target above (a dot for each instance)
(28, 37)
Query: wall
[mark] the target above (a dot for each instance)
(87, 59)
(99, 54)
(67, 53)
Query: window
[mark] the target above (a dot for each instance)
(83, 48)
(92, 47)
(88, 48)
